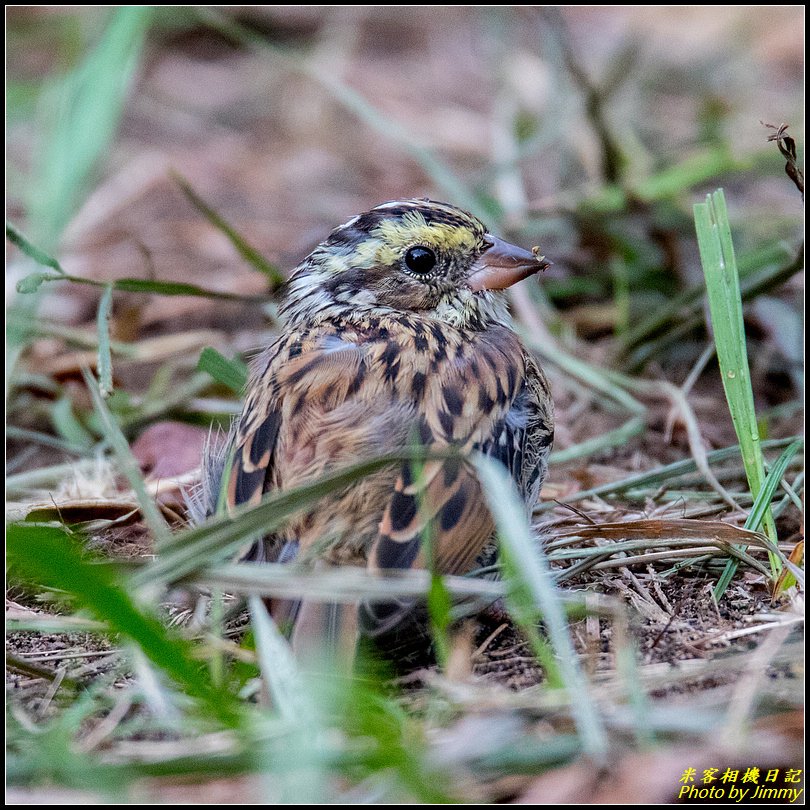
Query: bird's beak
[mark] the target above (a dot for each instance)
(503, 265)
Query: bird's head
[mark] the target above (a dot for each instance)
(414, 256)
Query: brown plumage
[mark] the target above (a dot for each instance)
(396, 333)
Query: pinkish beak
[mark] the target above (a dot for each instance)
(503, 265)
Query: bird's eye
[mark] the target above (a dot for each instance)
(420, 260)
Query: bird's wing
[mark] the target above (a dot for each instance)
(298, 371)
(320, 401)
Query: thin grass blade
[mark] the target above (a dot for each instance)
(50, 557)
(513, 529)
(759, 510)
(243, 248)
(725, 304)
(105, 374)
(231, 373)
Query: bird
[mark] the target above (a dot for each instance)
(396, 329)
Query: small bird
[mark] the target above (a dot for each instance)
(396, 328)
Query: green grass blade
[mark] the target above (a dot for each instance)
(31, 283)
(51, 558)
(515, 534)
(612, 438)
(300, 760)
(668, 473)
(756, 517)
(278, 667)
(243, 248)
(231, 373)
(223, 536)
(759, 510)
(105, 375)
(725, 304)
(126, 461)
(86, 108)
(67, 425)
(32, 251)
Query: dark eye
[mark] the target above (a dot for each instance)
(420, 260)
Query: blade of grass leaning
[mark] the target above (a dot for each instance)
(32, 251)
(231, 373)
(345, 585)
(86, 107)
(692, 317)
(612, 438)
(725, 305)
(301, 760)
(661, 474)
(758, 513)
(105, 375)
(67, 424)
(243, 248)
(126, 461)
(192, 550)
(31, 283)
(46, 440)
(50, 557)
(82, 110)
(766, 259)
(523, 608)
(439, 601)
(279, 669)
(513, 529)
